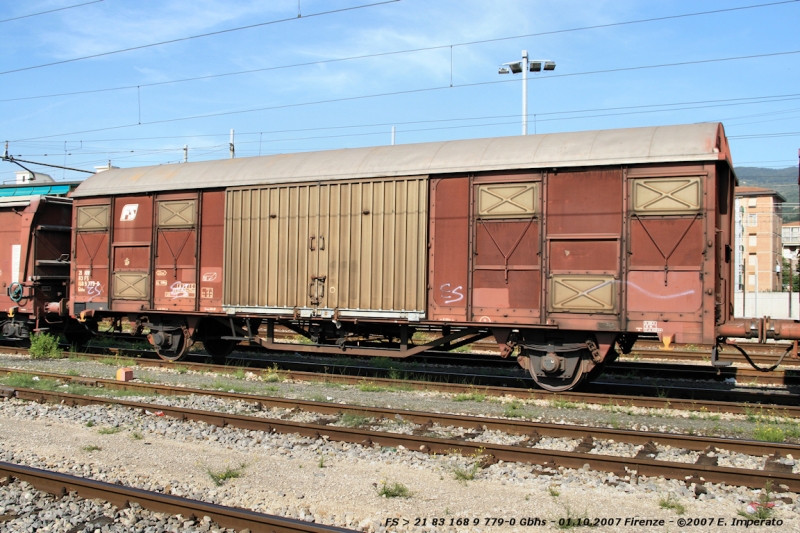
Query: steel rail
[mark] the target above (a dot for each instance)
(740, 402)
(549, 458)
(518, 427)
(229, 517)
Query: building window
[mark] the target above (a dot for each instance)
(751, 202)
(752, 240)
(751, 260)
(751, 280)
(751, 220)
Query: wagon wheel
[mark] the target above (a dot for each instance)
(177, 350)
(218, 348)
(560, 385)
(557, 372)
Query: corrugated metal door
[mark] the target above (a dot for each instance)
(175, 281)
(372, 237)
(506, 273)
(353, 246)
(269, 234)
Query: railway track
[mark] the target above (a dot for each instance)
(704, 469)
(120, 496)
(716, 401)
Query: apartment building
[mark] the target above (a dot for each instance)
(759, 247)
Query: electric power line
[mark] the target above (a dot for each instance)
(180, 39)
(411, 91)
(367, 56)
(51, 11)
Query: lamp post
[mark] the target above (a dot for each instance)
(533, 65)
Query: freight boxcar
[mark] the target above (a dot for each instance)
(565, 247)
(34, 265)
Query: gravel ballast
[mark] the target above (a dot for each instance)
(339, 483)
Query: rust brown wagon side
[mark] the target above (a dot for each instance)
(567, 246)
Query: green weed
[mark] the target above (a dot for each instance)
(513, 410)
(136, 436)
(181, 369)
(466, 474)
(560, 403)
(553, 492)
(670, 502)
(471, 397)
(393, 490)
(763, 511)
(109, 430)
(367, 386)
(221, 476)
(44, 346)
(768, 433)
(91, 448)
(353, 420)
(28, 381)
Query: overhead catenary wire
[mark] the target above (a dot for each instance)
(410, 91)
(668, 105)
(50, 11)
(208, 34)
(396, 52)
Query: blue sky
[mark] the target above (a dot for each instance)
(315, 103)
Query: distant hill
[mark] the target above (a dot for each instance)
(781, 180)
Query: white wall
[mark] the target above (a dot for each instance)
(772, 304)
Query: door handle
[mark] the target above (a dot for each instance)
(321, 242)
(311, 242)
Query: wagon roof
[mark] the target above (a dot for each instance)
(691, 142)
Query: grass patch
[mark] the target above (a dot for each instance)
(393, 490)
(321, 462)
(513, 410)
(471, 397)
(28, 381)
(231, 387)
(353, 420)
(553, 492)
(239, 373)
(73, 372)
(367, 386)
(77, 359)
(670, 502)
(221, 476)
(109, 430)
(90, 424)
(572, 520)
(466, 474)
(271, 377)
(44, 346)
(766, 433)
(180, 369)
(560, 403)
(91, 448)
(136, 436)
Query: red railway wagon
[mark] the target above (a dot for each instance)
(566, 246)
(34, 266)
